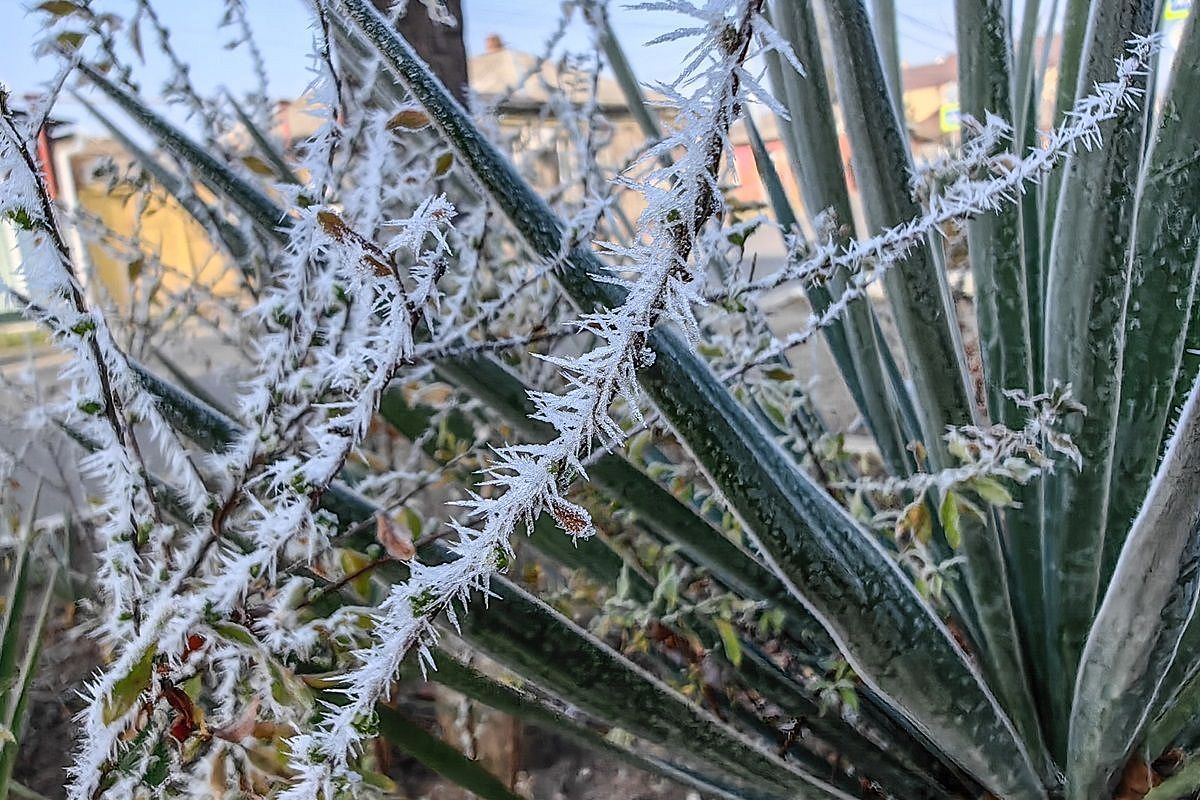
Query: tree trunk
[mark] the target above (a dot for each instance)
(438, 43)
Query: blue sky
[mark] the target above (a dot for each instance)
(283, 30)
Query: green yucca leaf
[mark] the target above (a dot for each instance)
(540, 644)
(1074, 39)
(1189, 363)
(20, 643)
(187, 382)
(1085, 323)
(455, 675)
(1026, 81)
(852, 584)
(994, 240)
(812, 144)
(526, 636)
(875, 750)
(14, 718)
(1177, 712)
(1163, 255)
(16, 594)
(1149, 603)
(994, 243)
(883, 21)
(440, 757)
(917, 288)
(211, 170)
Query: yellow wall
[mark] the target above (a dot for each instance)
(167, 234)
(922, 103)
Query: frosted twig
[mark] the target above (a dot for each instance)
(867, 261)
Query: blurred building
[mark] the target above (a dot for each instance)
(931, 114)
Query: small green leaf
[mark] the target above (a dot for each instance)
(414, 522)
(235, 633)
(128, 689)
(948, 516)
(355, 563)
(70, 40)
(729, 641)
(779, 374)
(991, 490)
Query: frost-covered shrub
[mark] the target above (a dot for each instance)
(962, 607)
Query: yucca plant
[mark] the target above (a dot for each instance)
(996, 599)
(25, 614)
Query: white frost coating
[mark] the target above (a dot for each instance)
(994, 451)
(103, 394)
(340, 315)
(529, 480)
(866, 261)
(341, 321)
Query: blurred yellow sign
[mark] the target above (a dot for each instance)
(948, 117)
(1176, 9)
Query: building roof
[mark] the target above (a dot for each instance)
(935, 73)
(501, 70)
(945, 69)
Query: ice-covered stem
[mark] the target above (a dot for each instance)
(866, 261)
(180, 82)
(235, 13)
(995, 450)
(528, 480)
(281, 497)
(103, 390)
(340, 322)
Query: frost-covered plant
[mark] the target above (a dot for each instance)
(907, 620)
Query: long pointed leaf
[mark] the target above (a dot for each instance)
(1163, 263)
(440, 757)
(887, 632)
(917, 290)
(522, 705)
(994, 244)
(210, 169)
(1085, 323)
(1136, 635)
(811, 140)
